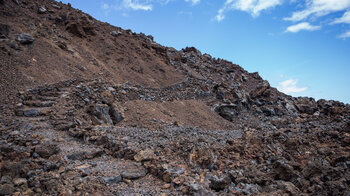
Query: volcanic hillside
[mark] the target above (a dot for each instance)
(91, 109)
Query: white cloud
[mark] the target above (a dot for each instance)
(194, 2)
(253, 7)
(345, 35)
(290, 86)
(344, 19)
(302, 26)
(135, 5)
(104, 6)
(318, 8)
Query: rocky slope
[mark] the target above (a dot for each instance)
(92, 109)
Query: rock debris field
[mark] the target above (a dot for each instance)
(91, 109)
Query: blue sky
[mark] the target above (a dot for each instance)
(302, 47)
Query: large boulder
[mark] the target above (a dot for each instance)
(100, 114)
(306, 105)
(227, 111)
(330, 107)
(260, 89)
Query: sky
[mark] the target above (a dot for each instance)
(302, 47)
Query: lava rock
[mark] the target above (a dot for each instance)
(227, 111)
(100, 114)
(56, 6)
(144, 155)
(25, 38)
(19, 181)
(115, 115)
(113, 180)
(219, 184)
(116, 33)
(47, 150)
(31, 113)
(6, 189)
(133, 171)
(42, 10)
(260, 89)
(306, 105)
(4, 30)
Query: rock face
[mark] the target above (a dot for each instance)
(92, 109)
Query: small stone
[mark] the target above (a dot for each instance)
(144, 155)
(25, 38)
(47, 150)
(116, 33)
(56, 6)
(166, 186)
(42, 10)
(36, 155)
(6, 189)
(5, 180)
(31, 113)
(113, 180)
(134, 171)
(167, 177)
(219, 184)
(84, 166)
(19, 181)
(178, 180)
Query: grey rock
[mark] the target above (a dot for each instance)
(5, 180)
(56, 6)
(144, 155)
(47, 150)
(31, 113)
(134, 171)
(100, 113)
(227, 111)
(116, 33)
(25, 38)
(219, 184)
(6, 189)
(42, 10)
(116, 116)
(113, 180)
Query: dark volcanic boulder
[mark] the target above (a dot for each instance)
(260, 89)
(219, 184)
(227, 111)
(306, 105)
(47, 150)
(100, 114)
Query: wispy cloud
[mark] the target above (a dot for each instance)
(304, 26)
(290, 86)
(344, 19)
(194, 2)
(135, 5)
(104, 6)
(345, 35)
(318, 8)
(253, 7)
